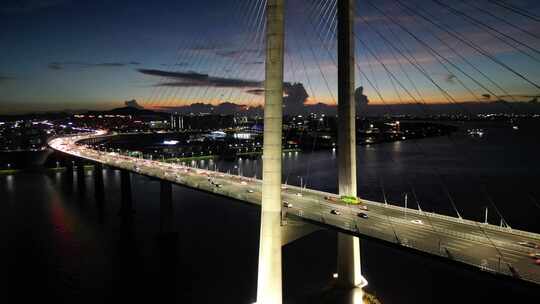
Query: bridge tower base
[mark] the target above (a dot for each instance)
(99, 185)
(166, 211)
(126, 205)
(349, 271)
(81, 178)
(68, 175)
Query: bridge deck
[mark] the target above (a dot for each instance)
(488, 247)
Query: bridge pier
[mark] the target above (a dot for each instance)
(269, 283)
(166, 210)
(349, 272)
(126, 207)
(81, 185)
(68, 175)
(99, 185)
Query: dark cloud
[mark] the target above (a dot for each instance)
(77, 64)
(522, 97)
(447, 77)
(192, 79)
(133, 104)
(450, 78)
(360, 98)
(5, 78)
(55, 66)
(256, 91)
(295, 96)
(26, 6)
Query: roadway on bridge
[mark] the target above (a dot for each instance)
(487, 247)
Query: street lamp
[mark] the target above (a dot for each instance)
(405, 205)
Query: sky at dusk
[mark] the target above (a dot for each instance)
(68, 54)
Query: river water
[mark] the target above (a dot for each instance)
(61, 245)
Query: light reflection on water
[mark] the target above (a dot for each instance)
(10, 185)
(57, 177)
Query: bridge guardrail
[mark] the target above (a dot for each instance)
(442, 249)
(458, 220)
(435, 215)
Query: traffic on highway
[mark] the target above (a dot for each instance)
(488, 247)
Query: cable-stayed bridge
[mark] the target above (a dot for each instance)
(288, 212)
(490, 248)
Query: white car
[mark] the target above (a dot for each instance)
(299, 194)
(250, 191)
(419, 222)
(287, 204)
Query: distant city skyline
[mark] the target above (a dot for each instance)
(72, 55)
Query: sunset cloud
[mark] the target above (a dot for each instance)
(194, 79)
(76, 64)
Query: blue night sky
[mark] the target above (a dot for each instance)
(62, 54)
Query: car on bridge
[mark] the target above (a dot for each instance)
(335, 211)
(362, 215)
(250, 191)
(287, 204)
(535, 255)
